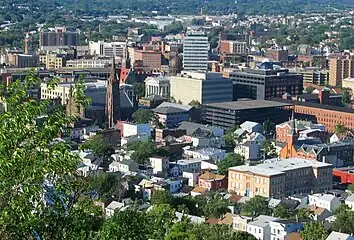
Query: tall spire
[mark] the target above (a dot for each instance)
(113, 97)
(292, 125)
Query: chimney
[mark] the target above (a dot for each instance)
(324, 96)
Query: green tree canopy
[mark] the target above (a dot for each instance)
(39, 186)
(98, 146)
(314, 231)
(268, 128)
(256, 206)
(143, 116)
(231, 160)
(268, 149)
(142, 151)
(344, 220)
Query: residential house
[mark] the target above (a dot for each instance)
(113, 206)
(260, 227)
(195, 129)
(349, 201)
(90, 163)
(250, 150)
(208, 141)
(170, 117)
(251, 126)
(210, 165)
(159, 164)
(192, 178)
(258, 138)
(240, 222)
(340, 236)
(198, 191)
(192, 218)
(124, 166)
(212, 181)
(319, 213)
(205, 153)
(188, 165)
(281, 229)
(327, 201)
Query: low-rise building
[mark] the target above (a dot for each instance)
(157, 85)
(260, 227)
(327, 201)
(170, 117)
(192, 178)
(212, 181)
(250, 150)
(124, 166)
(240, 223)
(349, 201)
(251, 127)
(159, 164)
(133, 129)
(281, 229)
(205, 153)
(280, 178)
(340, 236)
(189, 165)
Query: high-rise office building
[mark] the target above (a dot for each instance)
(264, 84)
(195, 52)
(340, 67)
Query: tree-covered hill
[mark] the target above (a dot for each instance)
(179, 7)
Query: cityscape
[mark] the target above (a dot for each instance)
(177, 120)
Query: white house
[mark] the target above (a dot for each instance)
(205, 153)
(260, 227)
(209, 164)
(240, 222)
(112, 207)
(90, 162)
(157, 85)
(251, 126)
(124, 166)
(208, 141)
(280, 229)
(327, 201)
(132, 129)
(258, 138)
(192, 178)
(159, 164)
(250, 150)
(349, 201)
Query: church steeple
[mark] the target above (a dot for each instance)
(113, 97)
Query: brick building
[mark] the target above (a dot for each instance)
(150, 59)
(330, 116)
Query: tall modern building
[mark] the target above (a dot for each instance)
(264, 84)
(60, 37)
(340, 67)
(113, 97)
(195, 52)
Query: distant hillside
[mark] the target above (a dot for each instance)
(190, 6)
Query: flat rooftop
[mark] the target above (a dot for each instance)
(250, 104)
(276, 167)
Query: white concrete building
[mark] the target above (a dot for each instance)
(327, 201)
(260, 227)
(88, 63)
(107, 49)
(113, 206)
(195, 52)
(280, 229)
(157, 85)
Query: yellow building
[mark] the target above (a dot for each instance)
(281, 178)
(51, 61)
